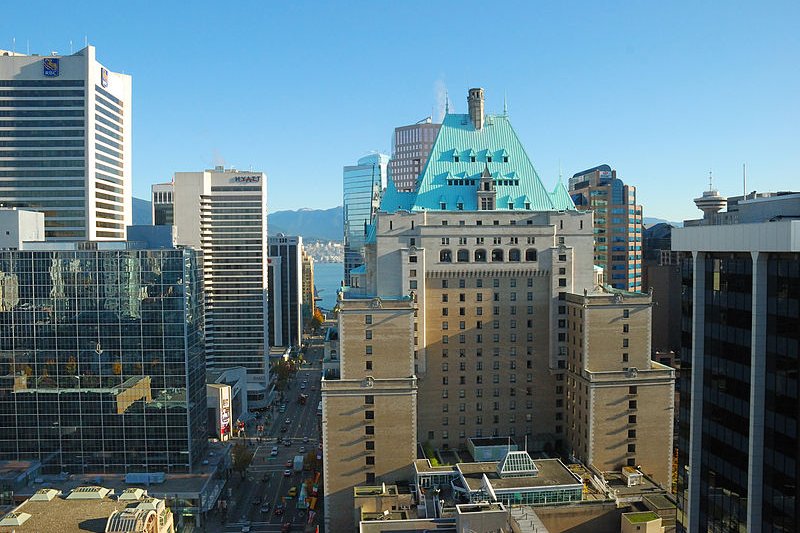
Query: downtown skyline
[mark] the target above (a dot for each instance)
(663, 94)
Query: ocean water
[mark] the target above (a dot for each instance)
(327, 280)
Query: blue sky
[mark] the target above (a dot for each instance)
(663, 92)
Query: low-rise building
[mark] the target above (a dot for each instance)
(89, 508)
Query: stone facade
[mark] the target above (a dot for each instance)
(370, 411)
(620, 404)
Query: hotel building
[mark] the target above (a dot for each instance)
(460, 310)
(65, 143)
(223, 212)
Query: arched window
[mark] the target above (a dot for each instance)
(530, 254)
(514, 255)
(480, 256)
(462, 256)
(445, 256)
(497, 255)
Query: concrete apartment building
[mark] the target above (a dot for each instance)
(369, 410)
(66, 150)
(411, 146)
(620, 403)
(617, 224)
(163, 204)
(223, 212)
(737, 432)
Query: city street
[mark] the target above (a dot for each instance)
(266, 482)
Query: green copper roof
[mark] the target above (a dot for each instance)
(460, 155)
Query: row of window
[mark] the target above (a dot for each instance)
(482, 256)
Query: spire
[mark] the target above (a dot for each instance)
(710, 181)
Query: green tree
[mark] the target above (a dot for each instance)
(242, 457)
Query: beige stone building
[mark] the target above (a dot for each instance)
(309, 303)
(620, 403)
(370, 410)
(460, 316)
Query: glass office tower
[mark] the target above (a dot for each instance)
(362, 186)
(101, 357)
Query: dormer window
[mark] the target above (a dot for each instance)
(472, 159)
(528, 205)
(505, 159)
(511, 205)
(443, 206)
(456, 158)
(460, 206)
(488, 159)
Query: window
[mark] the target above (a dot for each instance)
(369, 430)
(368, 349)
(631, 448)
(624, 358)
(631, 433)
(632, 389)
(462, 256)
(369, 400)
(444, 283)
(445, 256)
(480, 256)
(369, 445)
(624, 343)
(368, 365)
(368, 334)
(412, 284)
(626, 313)
(412, 258)
(444, 297)
(514, 255)
(631, 404)
(367, 319)
(370, 480)
(412, 273)
(530, 254)
(444, 311)
(369, 415)
(497, 255)
(631, 419)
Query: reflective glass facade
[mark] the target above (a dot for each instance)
(102, 359)
(362, 187)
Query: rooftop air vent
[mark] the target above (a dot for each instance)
(45, 495)
(14, 519)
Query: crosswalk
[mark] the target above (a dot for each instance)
(260, 527)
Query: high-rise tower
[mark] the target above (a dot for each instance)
(617, 224)
(66, 143)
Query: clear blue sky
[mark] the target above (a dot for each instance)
(663, 92)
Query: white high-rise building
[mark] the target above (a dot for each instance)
(65, 143)
(224, 213)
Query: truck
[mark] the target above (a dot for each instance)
(298, 463)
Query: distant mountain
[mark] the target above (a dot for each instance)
(652, 221)
(323, 224)
(142, 213)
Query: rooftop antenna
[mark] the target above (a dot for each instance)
(744, 180)
(446, 103)
(710, 181)
(505, 103)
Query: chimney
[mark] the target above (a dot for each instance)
(475, 104)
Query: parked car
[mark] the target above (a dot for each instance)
(287, 473)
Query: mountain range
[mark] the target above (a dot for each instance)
(311, 224)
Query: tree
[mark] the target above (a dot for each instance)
(242, 456)
(317, 320)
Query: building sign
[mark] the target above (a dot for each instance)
(605, 175)
(246, 179)
(50, 66)
(103, 77)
